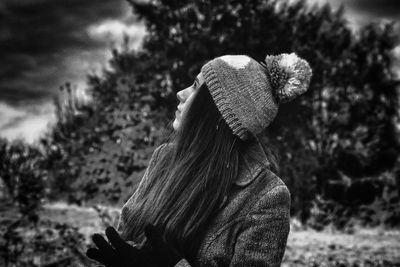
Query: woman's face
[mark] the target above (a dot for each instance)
(185, 97)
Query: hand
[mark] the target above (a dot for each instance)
(163, 253)
(119, 253)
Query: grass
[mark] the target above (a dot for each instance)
(305, 247)
(330, 247)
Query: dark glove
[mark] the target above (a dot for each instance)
(119, 253)
(164, 254)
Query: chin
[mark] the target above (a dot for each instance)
(175, 125)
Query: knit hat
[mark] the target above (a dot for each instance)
(248, 93)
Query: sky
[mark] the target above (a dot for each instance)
(45, 43)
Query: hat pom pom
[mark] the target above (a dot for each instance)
(289, 75)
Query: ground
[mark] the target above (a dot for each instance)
(364, 247)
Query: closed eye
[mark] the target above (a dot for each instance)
(196, 83)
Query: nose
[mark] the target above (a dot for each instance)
(182, 95)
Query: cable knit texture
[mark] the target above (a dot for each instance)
(247, 93)
(250, 228)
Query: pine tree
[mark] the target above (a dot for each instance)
(343, 127)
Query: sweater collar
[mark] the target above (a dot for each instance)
(249, 168)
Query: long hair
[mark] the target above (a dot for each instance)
(191, 179)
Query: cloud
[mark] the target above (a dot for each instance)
(46, 43)
(7, 114)
(39, 39)
(361, 12)
(389, 9)
(115, 30)
(27, 123)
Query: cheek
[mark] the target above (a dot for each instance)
(185, 107)
(188, 102)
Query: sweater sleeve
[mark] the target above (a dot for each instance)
(262, 241)
(130, 204)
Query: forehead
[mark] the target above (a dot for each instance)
(200, 78)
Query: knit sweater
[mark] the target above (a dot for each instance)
(252, 226)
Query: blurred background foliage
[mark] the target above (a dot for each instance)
(338, 144)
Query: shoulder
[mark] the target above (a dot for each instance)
(275, 193)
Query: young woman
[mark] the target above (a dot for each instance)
(211, 195)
